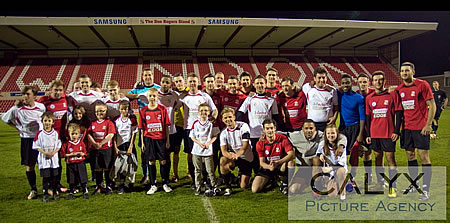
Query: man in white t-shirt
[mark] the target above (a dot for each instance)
(85, 97)
(322, 100)
(236, 150)
(258, 107)
(191, 100)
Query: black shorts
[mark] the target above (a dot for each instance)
(175, 142)
(383, 145)
(76, 173)
(412, 139)
(321, 125)
(103, 158)
(125, 146)
(28, 156)
(351, 133)
(269, 174)
(304, 172)
(155, 149)
(49, 172)
(245, 167)
(188, 143)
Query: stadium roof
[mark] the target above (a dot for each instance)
(72, 33)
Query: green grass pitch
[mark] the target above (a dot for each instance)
(179, 206)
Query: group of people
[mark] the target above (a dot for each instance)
(265, 127)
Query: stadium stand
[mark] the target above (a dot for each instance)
(126, 70)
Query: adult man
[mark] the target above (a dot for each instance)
(232, 98)
(25, 116)
(113, 99)
(274, 153)
(259, 107)
(272, 81)
(85, 97)
(441, 100)
(419, 110)
(245, 79)
(191, 100)
(305, 144)
(142, 87)
(219, 82)
(382, 109)
(292, 106)
(352, 119)
(180, 88)
(322, 100)
(236, 150)
(364, 90)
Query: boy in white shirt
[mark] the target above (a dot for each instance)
(48, 144)
(127, 127)
(203, 134)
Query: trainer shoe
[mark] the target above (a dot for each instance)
(108, 190)
(62, 188)
(86, 195)
(425, 196)
(144, 180)
(70, 196)
(46, 198)
(120, 190)
(56, 197)
(152, 190)
(284, 189)
(167, 189)
(342, 197)
(97, 191)
(32, 195)
(210, 193)
(217, 190)
(392, 192)
(410, 189)
(175, 179)
(228, 192)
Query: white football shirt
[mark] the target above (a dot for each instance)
(233, 139)
(125, 129)
(26, 119)
(258, 108)
(203, 132)
(320, 102)
(47, 141)
(191, 103)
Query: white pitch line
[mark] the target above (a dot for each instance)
(209, 209)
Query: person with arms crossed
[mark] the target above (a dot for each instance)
(441, 100)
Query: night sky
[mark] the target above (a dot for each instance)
(430, 52)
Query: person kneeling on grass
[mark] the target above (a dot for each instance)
(74, 151)
(48, 144)
(236, 150)
(335, 166)
(274, 153)
(203, 134)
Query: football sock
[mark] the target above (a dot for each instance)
(31, 176)
(427, 173)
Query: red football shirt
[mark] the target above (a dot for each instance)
(59, 108)
(73, 147)
(293, 109)
(100, 129)
(276, 150)
(382, 107)
(153, 122)
(274, 90)
(233, 101)
(413, 99)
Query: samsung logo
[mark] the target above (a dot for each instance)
(110, 21)
(224, 21)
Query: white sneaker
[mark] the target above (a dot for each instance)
(152, 190)
(32, 195)
(166, 188)
(227, 192)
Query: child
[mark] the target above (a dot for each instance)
(25, 116)
(100, 135)
(335, 165)
(154, 126)
(126, 125)
(204, 134)
(74, 151)
(47, 142)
